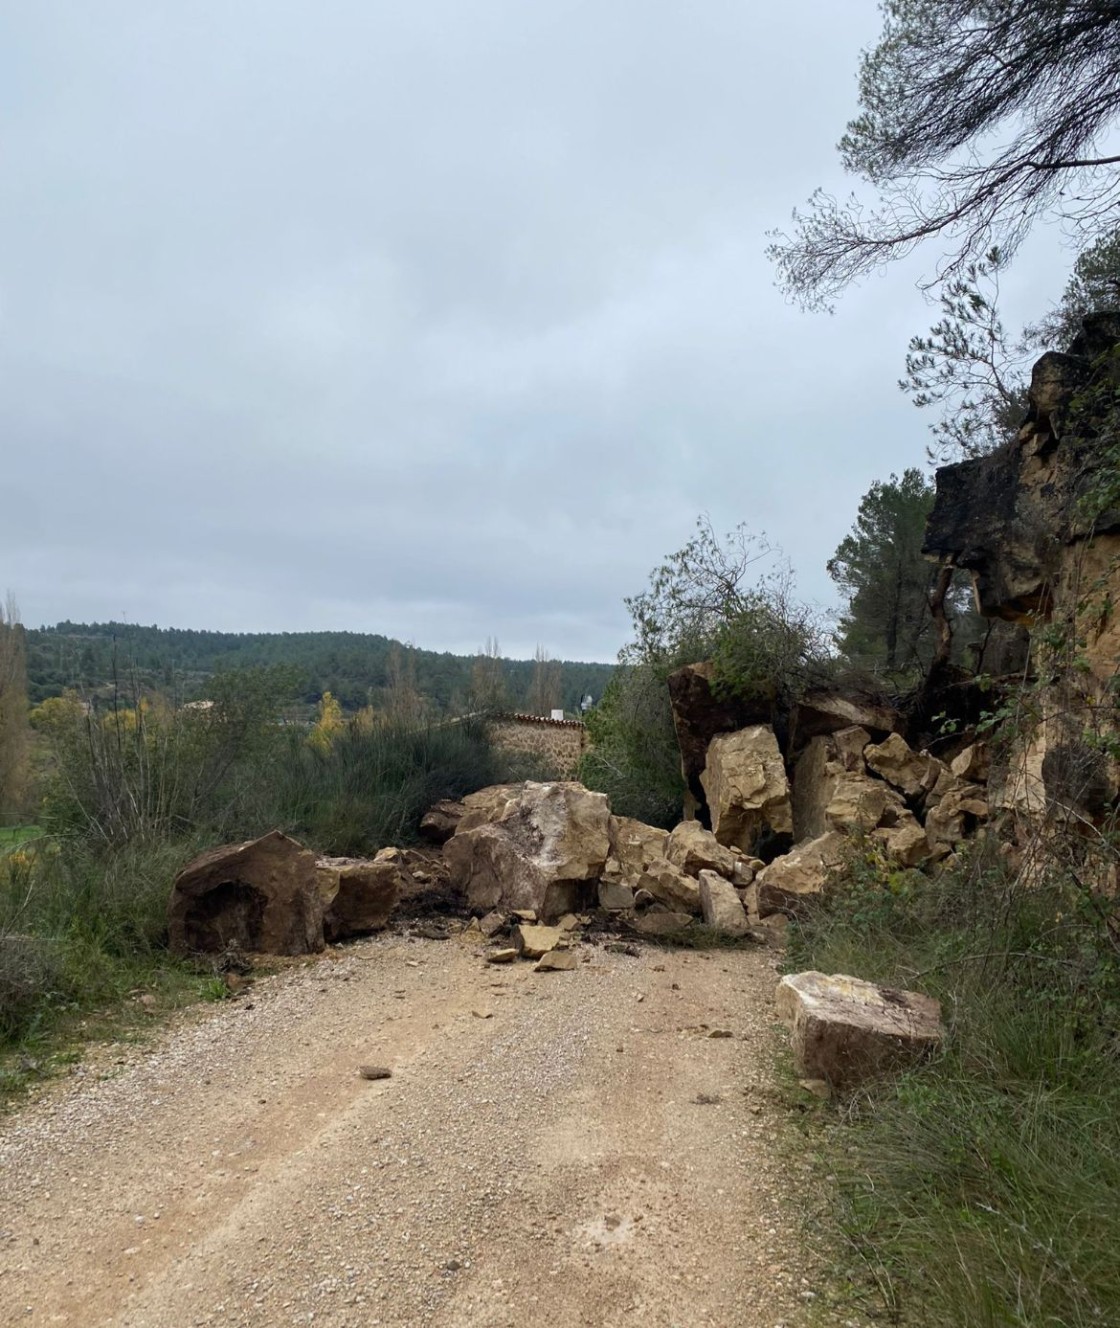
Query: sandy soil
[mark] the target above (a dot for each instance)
(564, 1148)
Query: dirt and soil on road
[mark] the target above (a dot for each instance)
(596, 1147)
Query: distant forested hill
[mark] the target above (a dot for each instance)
(357, 669)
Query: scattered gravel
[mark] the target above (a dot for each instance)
(591, 1147)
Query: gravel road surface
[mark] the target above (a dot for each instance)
(558, 1148)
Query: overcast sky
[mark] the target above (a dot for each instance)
(438, 319)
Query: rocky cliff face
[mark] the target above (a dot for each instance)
(1037, 526)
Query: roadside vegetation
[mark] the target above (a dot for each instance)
(129, 791)
(980, 1189)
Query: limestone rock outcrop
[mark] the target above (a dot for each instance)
(846, 1031)
(260, 895)
(747, 790)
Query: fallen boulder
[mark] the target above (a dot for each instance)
(832, 792)
(845, 1030)
(634, 845)
(746, 787)
(544, 851)
(694, 849)
(261, 895)
(720, 905)
(533, 941)
(615, 896)
(912, 772)
(670, 886)
(699, 715)
(824, 711)
(658, 922)
(802, 874)
(905, 843)
(359, 894)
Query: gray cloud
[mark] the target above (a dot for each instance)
(431, 319)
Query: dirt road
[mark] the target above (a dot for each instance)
(563, 1148)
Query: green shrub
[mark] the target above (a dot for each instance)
(370, 788)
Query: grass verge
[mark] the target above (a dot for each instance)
(982, 1188)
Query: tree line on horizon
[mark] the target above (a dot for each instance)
(357, 669)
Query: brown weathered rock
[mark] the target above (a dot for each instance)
(720, 906)
(260, 895)
(439, 822)
(747, 789)
(544, 852)
(359, 893)
(506, 955)
(913, 772)
(905, 843)
(850, 744)
(802, 874)
(672, 887)
(694, 849)
(699, 716)
(845, 1031)
(492, 923)
(954, 816)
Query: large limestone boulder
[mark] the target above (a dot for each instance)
(694, 849)
(544, 850)
(747, 790)
(699, 715)
(720, 905)
(789, 882)
(359, 894)
(261, 895)
(845, 1031)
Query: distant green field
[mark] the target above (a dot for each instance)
(11, 835)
